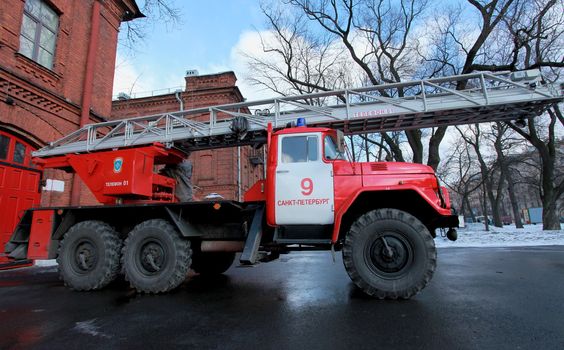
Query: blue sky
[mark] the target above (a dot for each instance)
(205, 40)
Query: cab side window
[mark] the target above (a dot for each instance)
(298, 149)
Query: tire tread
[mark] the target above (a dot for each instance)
(183, 257)
(111, 267)
(356, 231)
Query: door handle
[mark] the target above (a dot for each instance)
(282, 171)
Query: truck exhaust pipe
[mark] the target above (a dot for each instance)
(221, 246)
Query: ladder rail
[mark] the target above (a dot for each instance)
(377, 104)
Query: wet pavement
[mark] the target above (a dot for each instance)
(479, 298)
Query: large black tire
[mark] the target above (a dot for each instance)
(155, 258)
(88, 255)
(389, 254)
(212, 263)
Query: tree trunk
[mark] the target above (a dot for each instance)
(366, 148)
(463, 204)
(498, 204)
(485, 207)
(549, 213)
(414, 139)
(434, 143)
(513, 199)
(496, 217)
(488, 187)
(394, 148)
(470, 210)
(550, 190)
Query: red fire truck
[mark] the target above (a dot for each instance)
(383, 216)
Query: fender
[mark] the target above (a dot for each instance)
(425, 193)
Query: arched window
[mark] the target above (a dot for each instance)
(38, 35)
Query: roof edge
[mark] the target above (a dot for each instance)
(132, 11)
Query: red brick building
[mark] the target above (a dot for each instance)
(56, 73)
(228, 172)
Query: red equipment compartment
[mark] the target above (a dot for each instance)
(40, 236)
(127, 174)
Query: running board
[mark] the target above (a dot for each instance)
(14, 264)
(304, 241)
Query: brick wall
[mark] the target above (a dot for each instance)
(215, 171)
(39, 104)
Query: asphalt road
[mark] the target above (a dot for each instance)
(479, 298)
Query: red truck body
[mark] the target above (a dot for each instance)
(382, 216)
(311, 198)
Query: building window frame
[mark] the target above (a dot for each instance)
(38, 34)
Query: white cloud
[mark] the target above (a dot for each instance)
(138, 79)
(249, 44)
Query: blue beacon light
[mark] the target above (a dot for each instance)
(301, 122)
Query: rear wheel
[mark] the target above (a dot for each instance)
(212, 263)
(88, 255)
(155, 258)
(389, 254)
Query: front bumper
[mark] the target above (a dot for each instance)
(446, 221)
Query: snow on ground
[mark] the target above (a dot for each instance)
(52, 262)
(475, 235)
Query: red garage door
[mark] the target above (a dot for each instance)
(19, 184)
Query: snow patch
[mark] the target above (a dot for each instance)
(42, 263)
(475, 235)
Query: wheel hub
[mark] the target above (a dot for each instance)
(389, 254)
(152, 257)
(85, 257)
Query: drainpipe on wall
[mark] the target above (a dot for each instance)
(88, 86)
(179, 99)
(239, 173)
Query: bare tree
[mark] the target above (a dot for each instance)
(373, 36)
(528, 35)
(504, 143)
(493, 185)
(157, 12)
(298, 61)
(467, 53)
(380, 39)
(459, 174)
(386, 41)
(538, 43)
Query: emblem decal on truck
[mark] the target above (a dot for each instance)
(118, 164)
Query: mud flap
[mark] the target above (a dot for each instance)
(250, 252)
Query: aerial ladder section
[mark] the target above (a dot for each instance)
(486, 97)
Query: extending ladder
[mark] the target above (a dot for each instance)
(407, 105)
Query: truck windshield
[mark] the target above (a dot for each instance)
(331, 151)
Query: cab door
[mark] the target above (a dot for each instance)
(304, 183)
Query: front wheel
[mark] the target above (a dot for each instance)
(389, 254)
